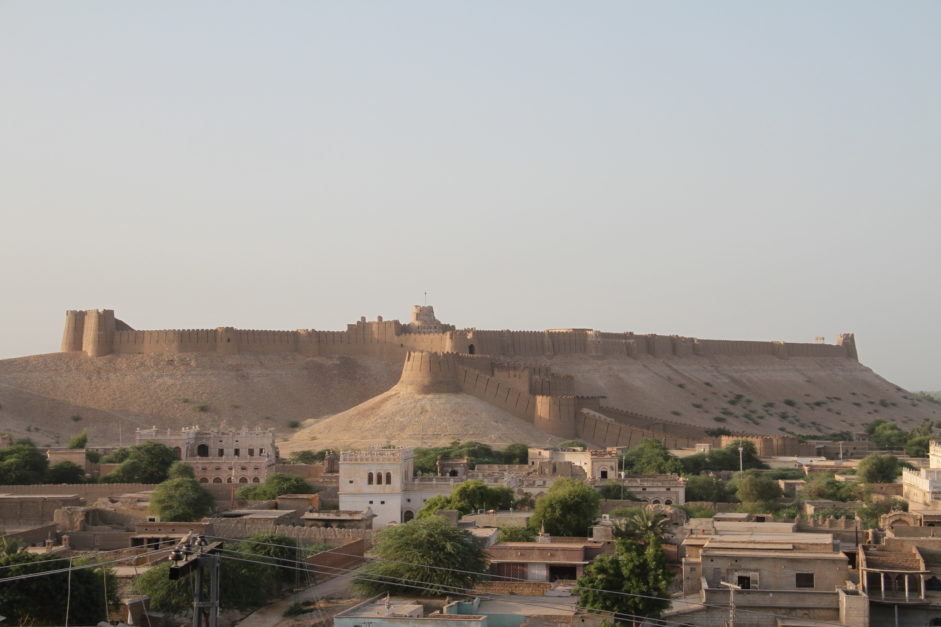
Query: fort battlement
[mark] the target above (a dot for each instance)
(99, 332)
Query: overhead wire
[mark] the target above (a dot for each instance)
(424, 585)
(470, 592)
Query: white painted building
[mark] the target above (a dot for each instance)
(381, 479)
(923, 486)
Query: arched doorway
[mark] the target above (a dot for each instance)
(202, 450)
(471, 349)
(408, 515)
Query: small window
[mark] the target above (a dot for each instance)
(744, 582)
(261, 451)
(368, 479)
(388, 478)
(221, 452)
(378, 478)
(251, 452)
(236, 452)
(804, 580)
(370, 502)
(382, 502)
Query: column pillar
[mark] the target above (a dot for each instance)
(882, 583)
(906, 587)
(922, 577)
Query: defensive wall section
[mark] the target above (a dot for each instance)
(98, 333)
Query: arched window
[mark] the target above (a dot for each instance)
(604, 473)
(369, 479)
(452, 473)
(655, 501)
(217, 480)
(471, 349)
(378, 478)
(668, 502)
(243, 479)
(408, 515)
(202, 450)
(228, 479)
(204, 480)
(256, 480)
(388, 478)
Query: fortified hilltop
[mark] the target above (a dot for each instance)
(426, 382)
(98, 333)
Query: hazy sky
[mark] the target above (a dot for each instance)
(735, 170)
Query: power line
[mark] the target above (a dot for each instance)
(384, 579)
(44, 573)
(519, 579)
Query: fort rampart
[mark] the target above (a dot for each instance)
(99, 332)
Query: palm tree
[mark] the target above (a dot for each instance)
(642, 524)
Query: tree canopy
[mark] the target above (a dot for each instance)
(143, 463)
(707, 488)
(724, 459)
(468, 497)
(568, 509)
(758, 491)
(275, 485)
(426, 458)
(637, 571)
(42, 600)
(181, 499)
(22, 463)
(878, 468)
(244, 584)
(650, 457)
(80, 440)
(409, 553)
(65, 472)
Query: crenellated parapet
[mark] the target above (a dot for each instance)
(98, 332)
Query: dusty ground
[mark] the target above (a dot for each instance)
(113, 395)
(409, 419)
(51, 397)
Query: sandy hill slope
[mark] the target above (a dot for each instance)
(758, 394)
(408, 419)
(40, 395)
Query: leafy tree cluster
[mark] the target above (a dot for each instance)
(42, 600)
(22, 463)
(181, 498)
(708, 488)
(419, 550)
(723, 459)
(517, 534)
(79, 441)
(144, 463)
(468, 497)
(650, 457)
(889, 436)
(274, 486)
(477, 453)
(244, 584)
(568, 508)
(637, 569)
(825, 486)
(757, 492)
(309, 457)
(879, 468)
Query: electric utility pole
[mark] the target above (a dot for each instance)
(195, 555)
(732, 588)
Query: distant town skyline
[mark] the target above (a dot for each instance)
(726, 171)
